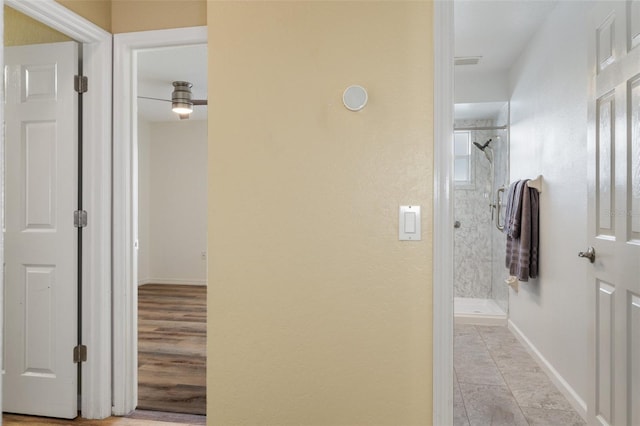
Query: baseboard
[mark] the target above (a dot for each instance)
(171, 281)
(576, 402)
(480, 319)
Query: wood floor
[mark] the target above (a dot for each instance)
(138, 418)
(172, 323)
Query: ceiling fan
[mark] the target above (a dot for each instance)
(181, 101)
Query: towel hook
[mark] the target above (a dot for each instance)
(535, 183)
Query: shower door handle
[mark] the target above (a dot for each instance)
(498, 207)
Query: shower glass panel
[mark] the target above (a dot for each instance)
(481, 168)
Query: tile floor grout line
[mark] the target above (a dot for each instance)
(464, 405)
(502, 375)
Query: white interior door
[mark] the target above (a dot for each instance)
(614, 212)
(39, 374)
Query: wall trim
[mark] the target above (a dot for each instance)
(125, 207)
(171, 281)
(60, 18)
(443, 27)
(1, 200)
(572, 396)
(96, 319)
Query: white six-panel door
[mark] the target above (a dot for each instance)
(614, 213)
(40, 323)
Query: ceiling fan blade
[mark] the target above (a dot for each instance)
(154, 99)
(199, 101)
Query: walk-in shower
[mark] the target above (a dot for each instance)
(481, 169)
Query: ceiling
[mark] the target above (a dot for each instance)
(496, 30)
(158, 68)
(479, 111)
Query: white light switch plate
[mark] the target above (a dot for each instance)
(409, 223)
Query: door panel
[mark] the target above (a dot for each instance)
(634, 359)
(41, 183)
(605, 343)
(39, 165)
(605, 178)
(605, 39)
(634, 160)
(614, 212)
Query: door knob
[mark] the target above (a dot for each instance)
(589, 254)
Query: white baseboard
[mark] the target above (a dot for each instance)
(171, 281)
(576, 402)
(480, 319)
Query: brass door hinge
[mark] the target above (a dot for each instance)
(80, 354)
(81, 84)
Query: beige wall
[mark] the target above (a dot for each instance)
(318, 315)
(123, 16)
(21, 30)
(145, 15)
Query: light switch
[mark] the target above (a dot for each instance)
(409, 223)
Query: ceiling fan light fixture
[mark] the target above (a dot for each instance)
(181, 102)
(181, 108)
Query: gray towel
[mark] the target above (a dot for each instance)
(522, 251)
(513, 211)
(535, 232)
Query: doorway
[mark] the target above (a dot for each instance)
(172, 231)
(506, 373)
(141, 252)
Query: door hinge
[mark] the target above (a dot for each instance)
(80, 218)
(81, 83)
(80, 354)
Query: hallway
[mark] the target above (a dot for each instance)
(497, 382)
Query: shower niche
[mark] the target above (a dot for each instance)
(481, 147)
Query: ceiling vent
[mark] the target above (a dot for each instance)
(467, 60)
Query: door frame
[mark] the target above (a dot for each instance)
(96, 263)
(443, 39)
(125, 203)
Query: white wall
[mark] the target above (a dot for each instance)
(476, 87)
(144, 156)
(549, 137)
(177, 204)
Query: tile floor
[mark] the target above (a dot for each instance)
(497, 382)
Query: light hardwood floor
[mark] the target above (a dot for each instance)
(138, 418)
(172, 322)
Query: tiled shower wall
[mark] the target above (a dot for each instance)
(479, 245)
